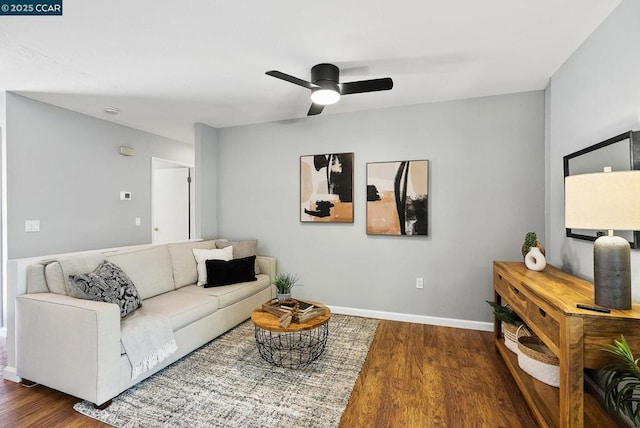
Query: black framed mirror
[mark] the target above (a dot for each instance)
(621, 153)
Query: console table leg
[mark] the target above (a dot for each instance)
(497, 324)
(571, 373)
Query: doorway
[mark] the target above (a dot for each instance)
(172, 201)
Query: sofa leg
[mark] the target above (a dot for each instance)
(103, 405)
(27, 383)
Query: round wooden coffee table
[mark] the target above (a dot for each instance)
(295, 346)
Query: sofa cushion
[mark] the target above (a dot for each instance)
(54, 277)
(183, 262)
(201, 256)
(220, 272)
(57, 271)
(181, 308)
(242, 249)
(149, 269)
(36, 281)
(108, 283)
(229, 294)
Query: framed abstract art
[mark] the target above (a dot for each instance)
(397, 198)
(326, 188)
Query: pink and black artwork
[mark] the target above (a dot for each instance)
(326, 188)
(397, 196)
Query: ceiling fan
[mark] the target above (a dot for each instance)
(326, 87)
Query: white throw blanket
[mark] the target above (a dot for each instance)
(147, 339)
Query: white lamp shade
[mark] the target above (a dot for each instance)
(603, 201)
(325, 96)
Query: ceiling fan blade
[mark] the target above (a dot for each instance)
(291, 79)
(366, 86)
(315, 109)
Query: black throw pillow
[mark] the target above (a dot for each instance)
(220, 272)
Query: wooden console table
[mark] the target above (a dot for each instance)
(546, 301)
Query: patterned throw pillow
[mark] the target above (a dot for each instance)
(108, 283)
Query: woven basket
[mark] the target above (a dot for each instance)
(510, 339)
(535, 358)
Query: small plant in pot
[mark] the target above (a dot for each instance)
(284, 282)
(622, 381)
(505, 314)
(531, 240)
(510, 323)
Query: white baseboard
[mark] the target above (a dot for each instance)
(3, 332)
(418, 319)
(10, 374)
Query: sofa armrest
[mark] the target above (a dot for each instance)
(267, 266)
(69, 344)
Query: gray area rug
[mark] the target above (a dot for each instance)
(227, 384)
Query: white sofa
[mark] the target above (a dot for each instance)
(74, 346)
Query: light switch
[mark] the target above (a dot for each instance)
(138, 221)
(32, 225)
(125, 195)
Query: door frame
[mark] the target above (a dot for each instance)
(161, 163)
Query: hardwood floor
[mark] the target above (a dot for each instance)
(415, 376)
(426, 376)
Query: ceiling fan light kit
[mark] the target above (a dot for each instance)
(325, 96)
(326, 88)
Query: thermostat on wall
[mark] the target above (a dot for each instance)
(125, 196)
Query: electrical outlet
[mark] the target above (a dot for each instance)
(419, 283)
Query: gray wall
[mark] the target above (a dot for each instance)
(206, 149)
(486, 191)
(64, 169)
(595, 95)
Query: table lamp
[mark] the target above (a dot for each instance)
(606, 201)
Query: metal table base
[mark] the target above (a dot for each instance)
(292, 349)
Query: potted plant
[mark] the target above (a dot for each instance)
(531, 240)
(284, 282)
(510, 323)
(622, 382)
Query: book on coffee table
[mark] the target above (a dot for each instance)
(273, 307)
(304, 307)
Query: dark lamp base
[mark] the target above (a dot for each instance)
(612, 272)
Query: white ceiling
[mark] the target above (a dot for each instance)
(168, 65)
